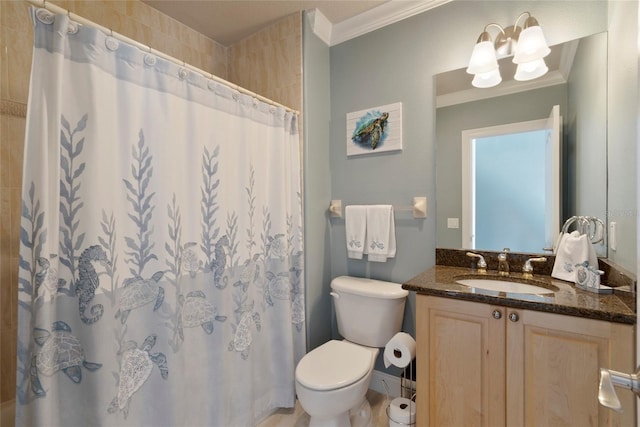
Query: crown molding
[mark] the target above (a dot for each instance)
(321, 25)
(386, 14)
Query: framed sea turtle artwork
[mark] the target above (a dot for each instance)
(375, 130)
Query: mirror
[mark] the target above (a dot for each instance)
(577, 82)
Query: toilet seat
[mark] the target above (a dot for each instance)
(333, 365)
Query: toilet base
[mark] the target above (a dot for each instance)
(359, 416)
(340, 420)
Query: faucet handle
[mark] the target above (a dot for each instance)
(528, 268)
(482, 264)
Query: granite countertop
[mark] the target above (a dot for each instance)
(440, 280)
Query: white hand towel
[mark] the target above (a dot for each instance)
(355, 221)
(381, 233)
(556, 242)
(574, 248)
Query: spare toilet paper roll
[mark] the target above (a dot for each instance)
(402, 410)
(400, 350)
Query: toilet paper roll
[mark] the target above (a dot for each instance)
(400, 350)
(402, 411)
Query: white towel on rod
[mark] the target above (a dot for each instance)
(574, 249)
(355, 221)
(381, 233)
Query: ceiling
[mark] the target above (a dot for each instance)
(229, 21)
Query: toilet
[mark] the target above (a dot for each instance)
(332, 380)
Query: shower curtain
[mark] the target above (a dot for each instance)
(161, 262)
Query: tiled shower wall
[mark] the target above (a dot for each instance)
(268, 63)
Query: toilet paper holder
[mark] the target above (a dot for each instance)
(406, 403)
(408, 392)
(408, 385)
(400, 352)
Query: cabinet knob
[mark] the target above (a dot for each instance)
(497, 314)
(514, 317)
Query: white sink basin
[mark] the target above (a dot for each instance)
(505, 286)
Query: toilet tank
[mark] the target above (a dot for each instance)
(369, 312)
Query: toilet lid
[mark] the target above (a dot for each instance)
(335, 364)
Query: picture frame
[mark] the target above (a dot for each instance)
(375, 130)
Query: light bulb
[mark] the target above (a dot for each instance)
(531, 45)
(483, 59)
(531, 70)
(488, 79)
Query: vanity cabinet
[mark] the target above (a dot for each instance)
(484, 365)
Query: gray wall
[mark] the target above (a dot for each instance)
(317, 187)
(397, 63)
(384, 67)
(585, 127)
(622, 134)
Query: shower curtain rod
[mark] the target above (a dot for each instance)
(59, 10)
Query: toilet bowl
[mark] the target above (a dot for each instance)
(332, 381)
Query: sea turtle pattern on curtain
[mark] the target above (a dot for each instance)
(146, 293)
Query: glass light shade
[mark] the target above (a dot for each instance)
(531, 70)
(531, 45)
(488, 79)
(483, 59)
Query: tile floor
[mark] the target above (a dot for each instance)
(295, 417)
(298, 418)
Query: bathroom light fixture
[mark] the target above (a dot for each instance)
(527, 44)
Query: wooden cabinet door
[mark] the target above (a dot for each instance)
(460, 366)
(553, 364)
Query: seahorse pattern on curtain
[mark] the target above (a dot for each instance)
(161, 262)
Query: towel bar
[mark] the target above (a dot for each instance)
(418, 208)
(589, 225)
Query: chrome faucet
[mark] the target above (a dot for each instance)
(503, 263)
(527, 269)
(481, 264)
